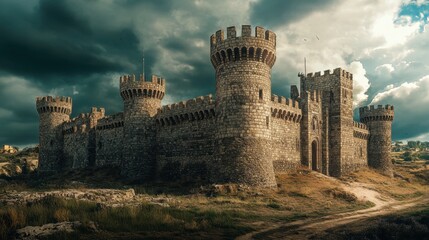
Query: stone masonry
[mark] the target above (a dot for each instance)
(243, 135)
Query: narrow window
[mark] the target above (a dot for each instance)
(267, 119)
(261, 94)
(243, 53)
(236, 54)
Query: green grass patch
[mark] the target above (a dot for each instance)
(401, 197)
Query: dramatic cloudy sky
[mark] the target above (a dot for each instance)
(80, 48)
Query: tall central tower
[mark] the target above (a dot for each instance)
(243, 94)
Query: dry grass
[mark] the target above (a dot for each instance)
(194, 210)
(404, 186)
(414, 225)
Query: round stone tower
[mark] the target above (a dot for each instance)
(141, 102)
(53, 112)
(379, 121)
(243, 94)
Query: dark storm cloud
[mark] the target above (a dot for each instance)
(53, 40)
(79, 49)
(273, 13)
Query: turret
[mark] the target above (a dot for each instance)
(53, 112)
(243, 94)
(379, 121)
(142, 99)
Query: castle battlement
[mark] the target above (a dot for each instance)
(360, 130)
(336, 72)
(376, 113)
(49, 104)
(83, 122)
(126, 79)
(360, 125)
(285, 108)
(40, 100)
(199, 108)
(131, 88)
(78, 124)
(261, 47)
(110, 122)
(280, 100)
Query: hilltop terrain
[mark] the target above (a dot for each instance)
(97, 203)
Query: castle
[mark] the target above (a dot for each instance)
(243, 135)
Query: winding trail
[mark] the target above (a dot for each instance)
(305, 229)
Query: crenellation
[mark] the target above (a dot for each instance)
(246, 31)
(199, 108)
(244, 135)
(231, 32)
(112, 121)
(260, 32)
(336, 72)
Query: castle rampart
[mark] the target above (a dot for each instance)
(185, 139)
(109, 140)
(286, 115)
(244, 135)
(79, 139)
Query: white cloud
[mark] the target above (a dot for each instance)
(411, 101)
(401, 92)
(360, 83)
(385, 69)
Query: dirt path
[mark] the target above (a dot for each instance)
(304, 229)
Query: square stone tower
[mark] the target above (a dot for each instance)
(337, 88)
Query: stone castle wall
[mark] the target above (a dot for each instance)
(109, 140)
(185, 139)
(286, 116)
(360, 148)
(245, 135)
(79, 139)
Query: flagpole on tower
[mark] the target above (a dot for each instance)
(143, 67)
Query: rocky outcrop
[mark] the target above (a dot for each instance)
(38, 232)
(105, 197)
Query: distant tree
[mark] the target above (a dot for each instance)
(412, 144)
(407, 156)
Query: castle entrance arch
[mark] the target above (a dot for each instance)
(314, 155)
